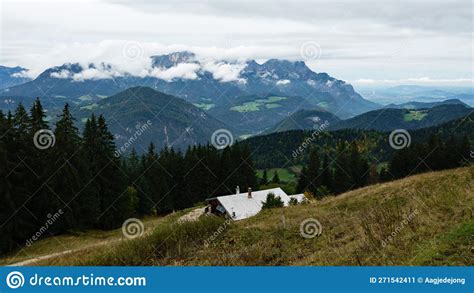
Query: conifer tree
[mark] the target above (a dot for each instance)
(302, 181)
(7, 190)
(248, 170)
(115, 200)
(326, 174)
(66, 169)
(275, 178)
(359, 167)
(342, 175)
(37, 162)
(264, 179)
(89, 201)
(464, 150)
(137, 179)
(313, 172)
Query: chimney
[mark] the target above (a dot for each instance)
(250, 192)
(237, 190)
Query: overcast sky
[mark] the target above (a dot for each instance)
(363, 42)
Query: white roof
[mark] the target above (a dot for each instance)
(245, 207)
(299, 197)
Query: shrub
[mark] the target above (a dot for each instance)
(272, 201)
(293, 202)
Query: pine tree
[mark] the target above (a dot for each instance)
(228, 182)
(19, 174)
(66, 169)
(275, 178)
(264, 180)
(38, 160)
(313, 173)
(8, 220)
(137, 180)
(115, 200)
(302, 181)
(359, 167)
(249, 177)
(89, 201)
(451, 154)
(327, 178)
(38, 117)
(465, 151)
(342, 174)
(166, 187)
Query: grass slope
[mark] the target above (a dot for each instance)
(429, 218)
(285, 175)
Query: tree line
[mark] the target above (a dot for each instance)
(334, 171)
(78, 173)
(435, 154)
(346, 167)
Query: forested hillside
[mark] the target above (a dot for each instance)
(82, 182)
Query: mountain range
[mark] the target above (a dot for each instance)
(179, 123)
(12, 76)
(206, 83)
(186, 99)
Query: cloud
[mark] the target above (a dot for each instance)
(225, 72)
(182, 70)
(94, 73)
(22, 74)
(386, 39)
(63, 74)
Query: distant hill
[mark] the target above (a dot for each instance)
(279, 149)
(174, 122)
(425, 105)
(254, 114)
(303, 120)
(12, 76)
(390, 119)
(412, 115)
(429, 94)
